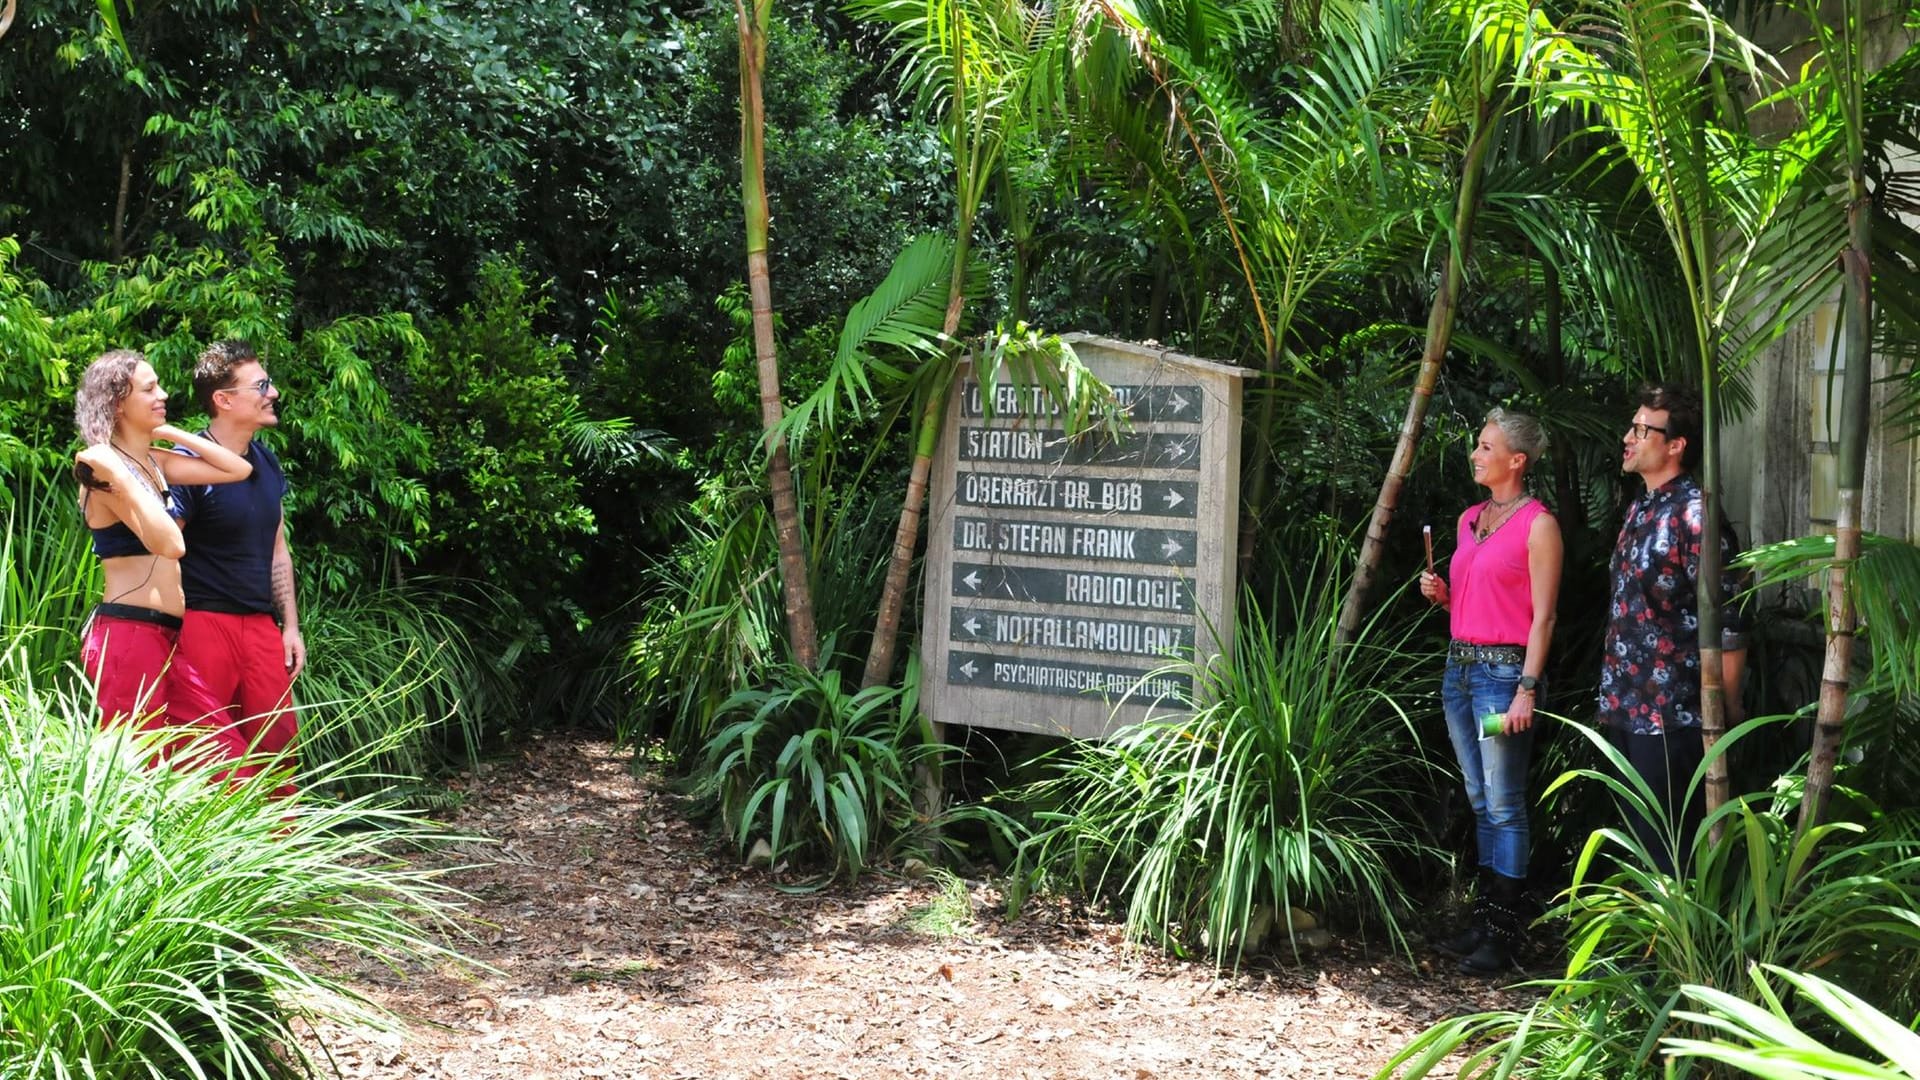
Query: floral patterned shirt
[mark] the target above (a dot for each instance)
(1650, 672)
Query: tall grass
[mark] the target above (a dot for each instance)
(713, 621)
(1290, 780)
(715, 616)
(423, 653)
(47, 578)
(1770, 1043)
(155, 922)
(1844, 899)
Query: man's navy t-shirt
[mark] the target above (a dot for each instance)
(230, 530)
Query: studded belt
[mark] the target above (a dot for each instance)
(1466, 652)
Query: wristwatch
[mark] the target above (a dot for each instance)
(1529, 683)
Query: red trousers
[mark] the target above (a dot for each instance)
(126, 660)
(230, 674)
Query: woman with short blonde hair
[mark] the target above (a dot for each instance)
(1500, 591)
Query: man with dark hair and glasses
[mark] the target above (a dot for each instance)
(240, 645)
(1650, 669)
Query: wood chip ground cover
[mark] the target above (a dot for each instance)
(624, 945)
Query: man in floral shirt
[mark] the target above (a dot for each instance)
(1650, 672)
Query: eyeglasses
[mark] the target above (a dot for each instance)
(260, 386)
(1640, 431)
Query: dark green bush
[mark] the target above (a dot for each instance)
(491, 395)
(824, 773)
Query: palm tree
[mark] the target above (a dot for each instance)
(986, 67)
(802, 638)
(1735, 213)
(1311, 192)
(1839, 93)
(1475, 102)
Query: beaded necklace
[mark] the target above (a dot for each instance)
(1482, 528)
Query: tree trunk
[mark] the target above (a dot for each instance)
(926, 437)
(1439, 332)
(1709, 595)
(1856, 404)
(906, 538)
(802, 638)
(120, 203)
(1708, 591)
(1157, 299)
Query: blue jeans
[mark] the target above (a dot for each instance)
(1495, 768)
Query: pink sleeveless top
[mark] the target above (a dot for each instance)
(1491, 589)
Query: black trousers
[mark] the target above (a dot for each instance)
(1667, 762)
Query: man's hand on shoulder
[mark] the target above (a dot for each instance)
(295, 648)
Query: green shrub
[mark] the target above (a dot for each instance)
(1288, 781)
(493, 398)
(715, 615)
(356, 501)
(713, 619)
(154, 922)
(409, 670)
(1840, 898)
(822, 773)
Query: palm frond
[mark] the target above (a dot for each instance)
(904, 314)
(1771, 1042)
(1885, 583)
(609, 443)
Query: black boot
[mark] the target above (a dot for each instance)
(1466, 940)
(1506, 929)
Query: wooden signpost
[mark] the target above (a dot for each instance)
(1065, 575)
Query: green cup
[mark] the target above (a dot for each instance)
(1493, 724)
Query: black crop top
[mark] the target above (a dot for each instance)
(117, 540)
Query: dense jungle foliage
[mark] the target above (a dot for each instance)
(493, 253)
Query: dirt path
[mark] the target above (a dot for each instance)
(625, 948)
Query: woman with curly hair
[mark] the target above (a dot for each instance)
(126, 495)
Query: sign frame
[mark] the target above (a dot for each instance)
(1143, 532)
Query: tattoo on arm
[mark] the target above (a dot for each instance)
(283, 608)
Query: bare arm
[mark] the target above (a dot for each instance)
(1733, 668)
(1545, 554)
(291, 641)
(132, 502)
(215, 465)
